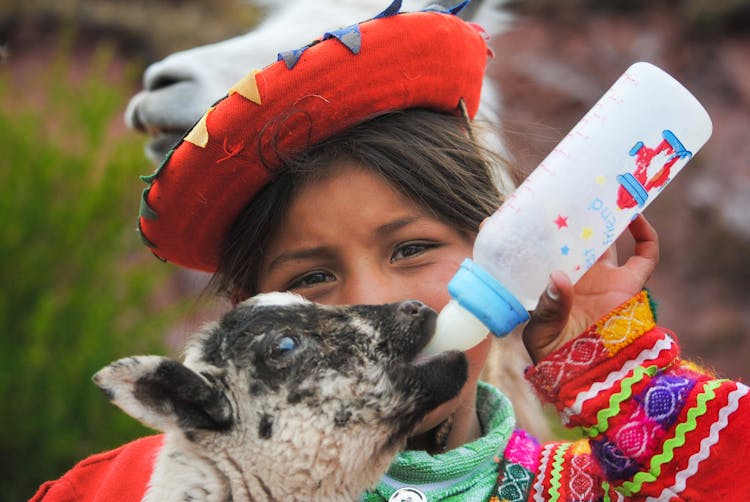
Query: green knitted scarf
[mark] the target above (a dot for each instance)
(467, 473)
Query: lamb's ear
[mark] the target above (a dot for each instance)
(164, 394)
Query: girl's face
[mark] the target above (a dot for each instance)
(349, 238)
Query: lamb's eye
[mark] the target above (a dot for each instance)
(284, 345)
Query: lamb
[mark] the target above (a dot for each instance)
(284, 399)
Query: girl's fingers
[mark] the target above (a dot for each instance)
(609, 256)
(549, 317)
(646, 252)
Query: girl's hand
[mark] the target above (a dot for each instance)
(565, 311)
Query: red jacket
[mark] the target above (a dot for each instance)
(117, 475)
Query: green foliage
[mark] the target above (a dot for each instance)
(77, 283)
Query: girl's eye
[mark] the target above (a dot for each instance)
(311, 279)
(410, 249)
(284, 345)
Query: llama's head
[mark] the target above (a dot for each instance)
(294, 393)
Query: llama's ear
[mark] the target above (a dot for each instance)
(164, 394)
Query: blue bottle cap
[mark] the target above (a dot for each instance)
(482, 295)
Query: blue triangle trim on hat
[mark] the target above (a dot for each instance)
(350, 36)
(391, 10)
(436, 7)
(458, 8)
(291, 57)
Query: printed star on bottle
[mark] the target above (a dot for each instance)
(587, 233)
(565, 250)
(561, 221)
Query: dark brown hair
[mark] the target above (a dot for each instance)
(431, 158)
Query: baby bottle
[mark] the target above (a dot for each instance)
(574, 205)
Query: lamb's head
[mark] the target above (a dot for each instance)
(307, 398)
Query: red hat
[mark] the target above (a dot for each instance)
(428, 59)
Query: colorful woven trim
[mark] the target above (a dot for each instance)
(657, 348)
(631, 444)
(523, 449)
(429, 59)
(514, 482)
(567, 471)
(651, 475)
(598, 343)
(626, 323)
(519, 463)
(616, 400)
(646, 446)
(710, 440)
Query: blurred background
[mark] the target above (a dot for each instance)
(79, 289)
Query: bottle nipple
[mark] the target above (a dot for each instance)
(456, 329)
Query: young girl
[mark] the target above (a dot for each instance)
(347, 173)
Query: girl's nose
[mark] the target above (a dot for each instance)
(371, 289)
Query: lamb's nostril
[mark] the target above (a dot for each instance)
(411, 307)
